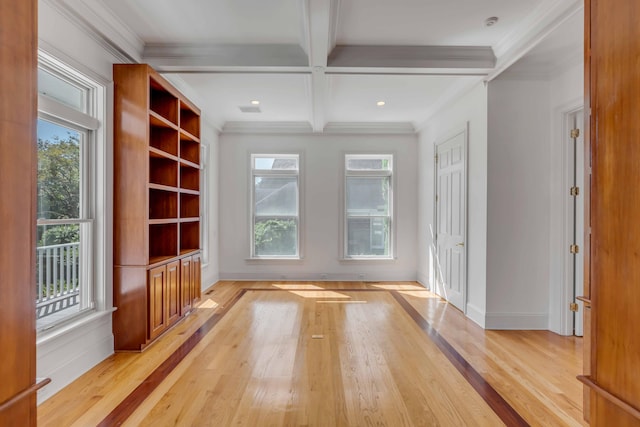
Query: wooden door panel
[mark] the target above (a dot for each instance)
(173, 292)
(157, 301)
(613, 98)
(196, 262)
(18, 162)
(185, 284)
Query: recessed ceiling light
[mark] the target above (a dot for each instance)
(491, 21)
(380, 103)
(255, 102)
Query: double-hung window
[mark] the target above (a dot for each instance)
(275, 200)
(368, 206)
(65, 206)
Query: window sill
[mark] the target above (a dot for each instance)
(369, 260)
(279, 260)
(71, 325)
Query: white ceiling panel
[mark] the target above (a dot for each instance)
(282, 97)
(429, 22)
(407, 98)
(215, 21)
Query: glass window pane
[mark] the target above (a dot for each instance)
(275, 163)
(367, 196)
(61, 90)
(368, 236)
(368, 163)
(276, 237)
(58, 261)
(58, 171)
(276, 196)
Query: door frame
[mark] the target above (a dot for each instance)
(561, 232)
(464, 129)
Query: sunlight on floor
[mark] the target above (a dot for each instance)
(297, 286)
(209, 303)
(319, 294)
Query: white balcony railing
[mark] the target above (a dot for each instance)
(58, 278)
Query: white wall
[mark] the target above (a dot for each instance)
(321, 175)
(210, 267)
(470, 109)
(518, 203)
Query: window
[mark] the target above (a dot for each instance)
(368, 206)
(66, 135)
(275, 222)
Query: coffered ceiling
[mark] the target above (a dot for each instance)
(324, 64)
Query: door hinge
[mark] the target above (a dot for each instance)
(573, 307)
(575, 133)
(437, 198)
(575, 191)
(436, 158)
(574, 249)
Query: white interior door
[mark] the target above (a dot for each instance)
(451, 219)
(578, 209)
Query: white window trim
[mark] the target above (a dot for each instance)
(96, 182)
(392, 174)
(299, 173)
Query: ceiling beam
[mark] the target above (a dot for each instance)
(319, 18)
(199, 56)
(371, 56)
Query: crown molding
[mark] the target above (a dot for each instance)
(332, 128)
(377, 56)
(548, 16)
(370, 128)
(197, 55)
(547, 71)
(101, 24)
(267, 127)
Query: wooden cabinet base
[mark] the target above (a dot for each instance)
(150, 301)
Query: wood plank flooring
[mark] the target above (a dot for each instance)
(374, 365)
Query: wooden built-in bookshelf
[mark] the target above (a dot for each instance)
(156, 205)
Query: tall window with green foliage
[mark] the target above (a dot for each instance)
(64, 200)
(275, 205)
(368, 206)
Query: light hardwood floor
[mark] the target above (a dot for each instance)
(374, 365)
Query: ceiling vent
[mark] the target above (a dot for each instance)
(250, 109)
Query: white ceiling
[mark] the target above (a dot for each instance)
(325, 63)
(217, 21)
(429, 22)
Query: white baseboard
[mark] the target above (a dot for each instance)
(476, 314)
(320, 277)
(517, 321)
(424, 280)
(65, 357)
(209, 280)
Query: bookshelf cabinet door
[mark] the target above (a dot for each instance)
(157, 301)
